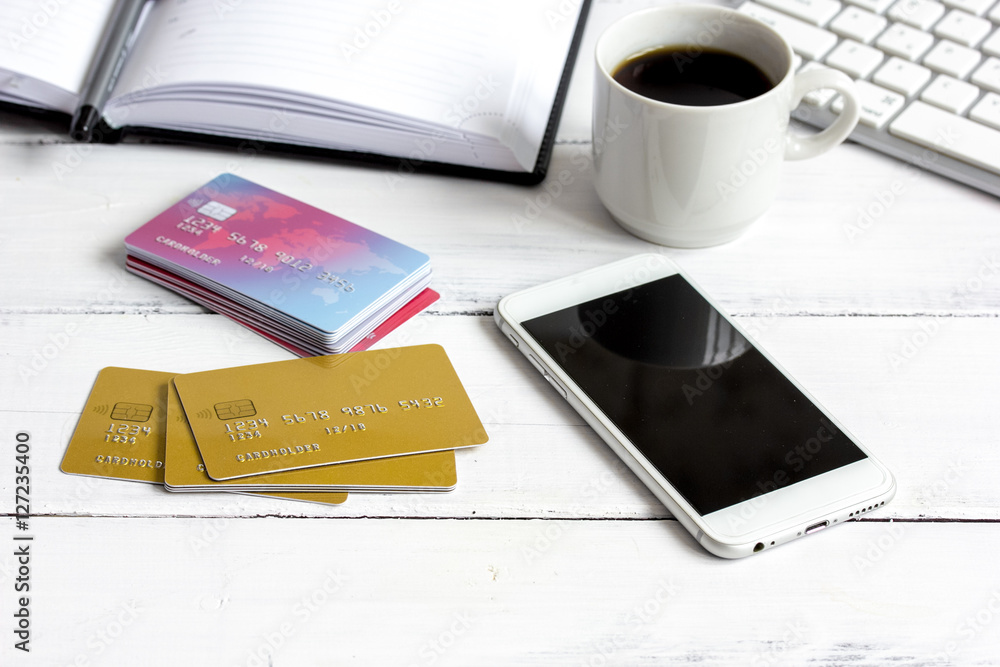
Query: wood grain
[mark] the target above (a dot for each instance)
(322, 592)
(548, 552)
(928, 415)
(489, 239)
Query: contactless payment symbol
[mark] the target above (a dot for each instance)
(217, 211)
(132, 412)
(235, 409)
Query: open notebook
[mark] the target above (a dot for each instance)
(432, 84)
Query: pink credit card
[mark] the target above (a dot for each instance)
(286, 338)
(291, 262)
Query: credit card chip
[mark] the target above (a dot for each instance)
(235, 409)
(217, 211)
(132, 412)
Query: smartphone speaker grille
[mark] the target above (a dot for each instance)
(861, 511)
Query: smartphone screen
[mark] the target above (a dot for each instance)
(716, 418)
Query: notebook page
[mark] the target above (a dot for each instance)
(483, 69)
(412, 59)
(49, 42)
(544, 37)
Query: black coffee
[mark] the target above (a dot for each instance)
(692, 76)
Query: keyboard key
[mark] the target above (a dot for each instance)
(817, 12)
(905, 42)
(976, 7)
(927, 73)
(988, 75)
(876, 6)
(951, 58)
(961, 27)
(920, 14)
(991, 46)
(822, 96)
(950, 94)
(806, 40)
(858, 24)
(878, 105)
(951, 135)
(902, 76)
(855, 60)
(988, 110)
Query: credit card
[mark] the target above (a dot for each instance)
(121, 432)
(273, 331)
(305, 268)
(319, 497)
(316, 411)
(185, 471)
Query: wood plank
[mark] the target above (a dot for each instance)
(489, 239)
(874, 284)
(928, 415)
(320, 592)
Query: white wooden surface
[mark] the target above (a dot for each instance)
(549, 552)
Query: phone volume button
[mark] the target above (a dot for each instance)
(537, 364)
(559, 387)
(510, 334)
(541, 369)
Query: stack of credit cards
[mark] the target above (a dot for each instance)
(305, 429)
(304, 278)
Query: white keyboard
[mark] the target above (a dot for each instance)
(928, 74)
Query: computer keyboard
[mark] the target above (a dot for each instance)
(928, 74)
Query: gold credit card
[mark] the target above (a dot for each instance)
(433, 471)
(321, 497)
(316, 411)
(121, 431)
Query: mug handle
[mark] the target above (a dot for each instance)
(802, 147)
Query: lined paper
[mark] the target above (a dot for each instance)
(46, 48)
(415, 62)
(478, 79)
(456, 70)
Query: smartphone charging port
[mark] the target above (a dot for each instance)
(817, 526)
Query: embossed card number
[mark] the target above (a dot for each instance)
(322, 410)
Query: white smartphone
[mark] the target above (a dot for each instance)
(736, 449)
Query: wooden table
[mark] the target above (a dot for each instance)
(876, 285)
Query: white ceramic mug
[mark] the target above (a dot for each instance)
(694, 176)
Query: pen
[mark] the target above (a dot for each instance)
(107, 65)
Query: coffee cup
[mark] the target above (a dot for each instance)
(691, 121)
